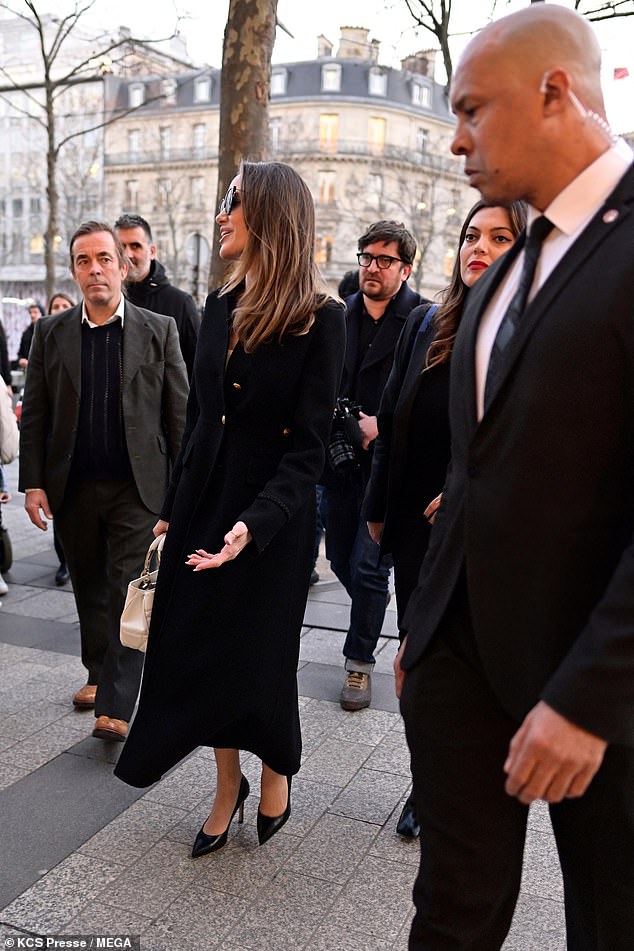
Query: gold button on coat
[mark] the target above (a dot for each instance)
(286, 431)
(236, 386)
(222, 420)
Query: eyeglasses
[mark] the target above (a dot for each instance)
(230, 201)
(383, 261)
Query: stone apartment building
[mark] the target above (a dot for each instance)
(371, 141)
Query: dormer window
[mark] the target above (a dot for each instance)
(168, 89)
(278, 82)
(377, 82)
(136, 95)
(331, 77)
(202, 89)
(421, 93)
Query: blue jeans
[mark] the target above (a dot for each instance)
(354, 558)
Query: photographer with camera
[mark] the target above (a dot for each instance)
(375, 316)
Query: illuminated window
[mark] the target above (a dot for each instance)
(328, 132)
(448, 260)
(323, 252)
(376, 135)
(326, 187)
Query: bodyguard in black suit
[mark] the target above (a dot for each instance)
(102, 418)
(375, 317)
(519, 661)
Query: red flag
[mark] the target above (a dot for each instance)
(621, 72)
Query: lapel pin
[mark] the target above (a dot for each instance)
(610, 215)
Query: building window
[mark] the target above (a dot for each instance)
(331, 77)
(132, 194)
(422, 141)
(377, 82)
(35, 206)
(328, 132)
(278, 82)
(202, 89)
(376, 135)
(197, 191)
(326, 188)
(421, 93)
(168, 91)
(164, 190)
(323, 250)
(17, 207)
(36, 244)
(448, 260)
(275, 134)
(165, 139)
(198, 139)
(134, 141)
(136, 95)
(375, 190)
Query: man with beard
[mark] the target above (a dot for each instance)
(147, 284)
(375, 317)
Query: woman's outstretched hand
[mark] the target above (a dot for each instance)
(235, 540)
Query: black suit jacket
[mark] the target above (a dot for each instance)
(539, 504)
(154, 397)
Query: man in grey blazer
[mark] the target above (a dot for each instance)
(519, 659)
(102, 419)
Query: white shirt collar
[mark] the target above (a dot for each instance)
(579, 201)
(119, 313)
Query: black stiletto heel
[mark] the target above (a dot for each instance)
(211, 843)
(269, 825)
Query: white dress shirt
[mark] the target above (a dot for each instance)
(85, 319)
(570, 212)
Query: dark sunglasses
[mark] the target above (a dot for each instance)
(230, 201)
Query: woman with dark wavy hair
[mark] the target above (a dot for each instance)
(240, 511)
(412, 449)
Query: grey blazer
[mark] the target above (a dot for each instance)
(154, 397)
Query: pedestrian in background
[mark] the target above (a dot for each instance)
(412, 450)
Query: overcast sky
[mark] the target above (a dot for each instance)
(388, 20)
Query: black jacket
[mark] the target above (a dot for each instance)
(5, 366)
(539, 502)
(157, 294)
(375, 367)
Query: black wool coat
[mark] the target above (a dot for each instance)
(224, 643)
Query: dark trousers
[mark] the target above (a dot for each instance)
(59, 551)
(354, 558)
(105, 530)
(472, 832)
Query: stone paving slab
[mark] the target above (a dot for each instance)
(87, 854)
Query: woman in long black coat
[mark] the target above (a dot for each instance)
(224, 640)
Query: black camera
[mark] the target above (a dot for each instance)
(346, 438)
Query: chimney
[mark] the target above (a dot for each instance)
(324, 47)
(354, 43)
(422, 63)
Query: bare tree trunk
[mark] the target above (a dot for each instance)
(244, 96)
(51, 192)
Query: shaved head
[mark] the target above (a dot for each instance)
(527, 96)
(543, 37)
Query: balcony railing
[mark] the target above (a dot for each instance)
(300, 148)
(162, 158)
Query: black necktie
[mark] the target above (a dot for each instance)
(540, 229)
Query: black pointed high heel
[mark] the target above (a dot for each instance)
(269, 825)
(211, 843)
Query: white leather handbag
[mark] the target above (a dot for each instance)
(137, 611)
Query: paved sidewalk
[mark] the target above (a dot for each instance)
(85, 854)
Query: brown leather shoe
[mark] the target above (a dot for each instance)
(84, 699)
(109, 728)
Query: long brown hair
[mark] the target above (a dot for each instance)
(447, 317)
(285, 287)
